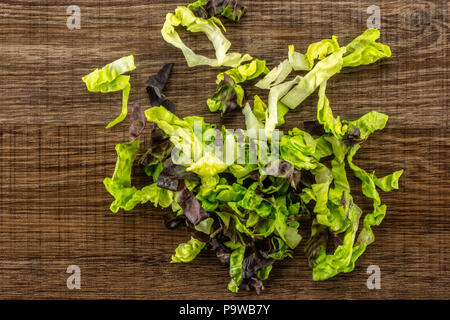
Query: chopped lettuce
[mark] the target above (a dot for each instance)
(110, 78)
(186, 252)
(234, 194)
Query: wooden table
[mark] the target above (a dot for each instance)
(55, 151)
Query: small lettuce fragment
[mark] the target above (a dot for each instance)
(320, 50)
(192, 138)
(230, 9)
(159, 151)
(228, 97)
(209, 165)
(299, 148)
(368, 124)
(236, 260)
(192, 208)
(119, 186)
(172, 175)
(283, 169)
(298, 61)
(230, 94)
(251, 121)
(188, 251)
(365, 50)
(259, 109)
(186, 18)
(276, 76)
(245, 72)
(137, 121)
(152, 193)
(155, 86)
(126, 154)
(325, 115)
(276, 109)
(181, 132)
(110, 78)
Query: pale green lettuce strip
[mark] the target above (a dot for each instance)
(298, 61)
(276, 76)
(362, 50)
(110, 78)
(276, 111)
(185, 18)
(321, 72)
(251, 122)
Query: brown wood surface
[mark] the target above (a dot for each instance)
(55, 150)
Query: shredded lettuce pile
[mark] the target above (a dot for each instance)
(233, 193)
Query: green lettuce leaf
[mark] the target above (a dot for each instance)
(188, 251)
(277, 110)
(259, 109)
(119, 186)
(276, 76)
(229, 94)
(298, 148)
(298, 61)
(369, 183)
(251, 121)
(228, 97)
(152, 193)
(193, 148)
(321, 72)
(325, 115)
(320, 50)
(364, 50)
(208, 166)
(110, 78)
(245, 72)
(236, 259)
(186, 18)
(368, 124)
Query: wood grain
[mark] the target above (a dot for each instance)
(55, 150)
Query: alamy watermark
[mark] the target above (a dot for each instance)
(226, 147)
(374, 21)
(74, 280)
(74, 20)
(374, 281)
